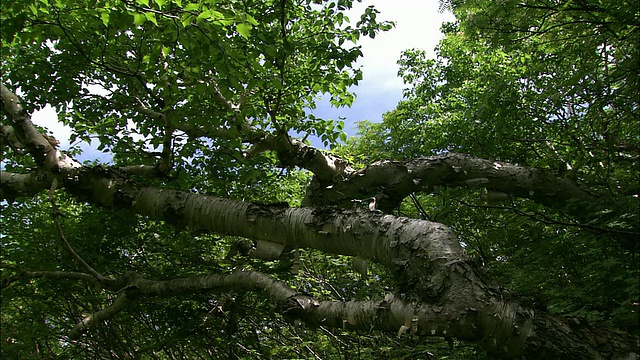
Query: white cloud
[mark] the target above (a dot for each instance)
(417, 26)
(48, 119)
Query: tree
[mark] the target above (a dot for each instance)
(207, 221)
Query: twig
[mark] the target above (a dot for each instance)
(56, 219)
(418, 206)
(547, 220)
(25, 274)
(99, 316)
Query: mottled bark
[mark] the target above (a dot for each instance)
(392, 181)
(442, 292)
(448, 296)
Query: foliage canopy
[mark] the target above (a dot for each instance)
(202, 100)
(551, 86)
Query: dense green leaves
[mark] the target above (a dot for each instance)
(193, 83)
(122, 73)
(104, 62)
(546, 84)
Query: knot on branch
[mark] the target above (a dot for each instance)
(295, 306)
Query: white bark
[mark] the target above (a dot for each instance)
(444, 295)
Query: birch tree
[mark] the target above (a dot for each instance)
(215, 228)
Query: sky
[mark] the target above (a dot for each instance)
(417, 26)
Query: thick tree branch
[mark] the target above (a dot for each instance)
(24, 131)
(292, 152)
(45, 154)
(391, 181)
(391, 313)
(9, 137)
(14, 185)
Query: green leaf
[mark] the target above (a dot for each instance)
(192, 7)
(244, 29)
(186, 19)
(105, 18)
(205, 14)
(151, 17)
(139, 19)
(34, 9)
(251, 20)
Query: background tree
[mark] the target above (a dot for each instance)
(213, 232)
(547, 85)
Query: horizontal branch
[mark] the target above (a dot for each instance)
(292, 152)
(390, 314)
(347, 232)
(502, 327)
(14, 185)
(54, 275)
(391, 181)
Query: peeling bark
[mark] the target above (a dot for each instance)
(435, 273)
(392, 181)
(442, 293)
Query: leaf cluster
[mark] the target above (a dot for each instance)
(551, 85)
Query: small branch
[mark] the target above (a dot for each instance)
(55, 275)
(56, 218)
(537, 216)
(228, 103)
(96, 318)
(165, 161)
(141, 108)
(418, 206)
